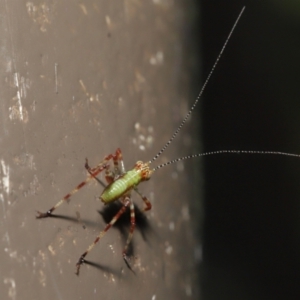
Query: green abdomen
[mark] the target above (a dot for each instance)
(122, 185)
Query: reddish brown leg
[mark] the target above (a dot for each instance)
(132, 227)
(109, 175)
(81, 260)
(95, 171)
(145, 199)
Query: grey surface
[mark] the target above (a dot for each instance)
(79, 79)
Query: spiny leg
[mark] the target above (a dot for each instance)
(131, 230)
(90, 171)
(119, 161)
(96, 171)
(145, 199)
(110, 176)
(81, 260)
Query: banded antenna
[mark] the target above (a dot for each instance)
(198, 97)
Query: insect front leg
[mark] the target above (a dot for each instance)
(110, 175)
(126, 203)
(94, 172)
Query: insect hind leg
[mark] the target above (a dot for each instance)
(81, 260)
(93, 173)
(130, 235)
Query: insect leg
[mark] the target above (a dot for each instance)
(145, 199)
(81, 260)
(118, 162)
(131, 230)
(110, 176)
(102, 166)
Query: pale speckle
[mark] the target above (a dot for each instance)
(180, 166)
(144, 137)
(139, 81)
(83, 8)
(149, 140)
(12, 292)
(157, 58)
(188, 290)
(34, 186)
(42, 278)
(172, 226)
(185, 213)
(52, 251)
(4, 177)
(13, 254)
(153, 297)
(17, 111)
(25, 160)
(111, 247)
(107, 20)
(83, 87)
(169, 250)
(110, 277)
(40, 14)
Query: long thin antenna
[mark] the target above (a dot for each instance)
(226, 152)
(201, 91)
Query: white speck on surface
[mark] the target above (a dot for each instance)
(17, 111)
(157, 58)
(50, 248)
(142, 148)
(137, 126)
(111, 247)
(169, 249)
(4, 179)
(172, 226)
(108, 21)
(149, 140)
(83, 8)
(12, 292)
(153, 297)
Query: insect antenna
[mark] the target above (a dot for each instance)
(200, 93)
(225, 152)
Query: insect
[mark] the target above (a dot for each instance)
(122, 183)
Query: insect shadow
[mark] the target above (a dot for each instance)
(122, 224)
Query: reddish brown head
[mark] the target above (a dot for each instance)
(144, 170)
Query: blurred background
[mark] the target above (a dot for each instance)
(81, 78)
(252, 203)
